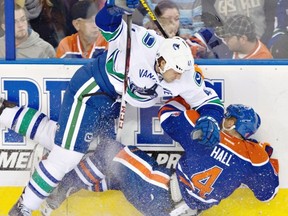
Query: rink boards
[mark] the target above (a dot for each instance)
(41, 86)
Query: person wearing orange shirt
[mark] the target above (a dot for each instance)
(238, 33)
(88, 39)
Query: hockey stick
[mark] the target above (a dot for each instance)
(127, 64)
(153, 18)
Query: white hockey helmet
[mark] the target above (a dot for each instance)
(177, 54)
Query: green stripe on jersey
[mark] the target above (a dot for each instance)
(76, 112)
(110, 66)
(111, 71)
(217, 101)
(25, 123)
(111, 35)
(131, 94)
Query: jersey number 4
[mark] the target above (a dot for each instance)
(204, 181)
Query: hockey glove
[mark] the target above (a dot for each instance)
(198, 48)
(120, 7)
(206, 131)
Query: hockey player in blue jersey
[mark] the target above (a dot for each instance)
(208, 175)
(204, 175)
(158, 67)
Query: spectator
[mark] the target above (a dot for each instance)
(278, 44)
(67, 6)
(19, 2)
(261, 12)
(51, 23)
(88, 38)
(27, 42)
(279, 48)
(168, 14)
(33, 7)
(204, 44)
(239, 35)
(190, 15)
(37, 11)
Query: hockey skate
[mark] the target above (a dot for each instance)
(56, 198)
(46, 209)
(182, 209)
(4, 103)
(19, 210)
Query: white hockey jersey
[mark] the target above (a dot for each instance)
(145, 85)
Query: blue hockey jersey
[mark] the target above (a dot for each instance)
(208, 175)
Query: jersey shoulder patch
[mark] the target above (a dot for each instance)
(198, 78)
(148, 40)
(248, 151)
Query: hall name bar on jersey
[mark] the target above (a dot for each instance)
(221, 155)
(15, 159)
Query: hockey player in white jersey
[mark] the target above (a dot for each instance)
(158, 67)
(172, 73)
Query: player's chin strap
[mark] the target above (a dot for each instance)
(227, 129)
(181, 208)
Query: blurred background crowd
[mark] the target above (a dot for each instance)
(218, 29)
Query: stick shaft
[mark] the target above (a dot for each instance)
(153, 17)
(127, 64)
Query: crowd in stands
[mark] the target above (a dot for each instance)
(222, 29)
(27, 42)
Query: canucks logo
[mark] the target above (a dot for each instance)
(88, 137)
(176, 46)
(148, 40)
(142, 94)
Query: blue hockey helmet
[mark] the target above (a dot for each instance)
(247, 120)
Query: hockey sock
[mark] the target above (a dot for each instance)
(88, 173)
(30, 123)
(48, 174)
(8, 114)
